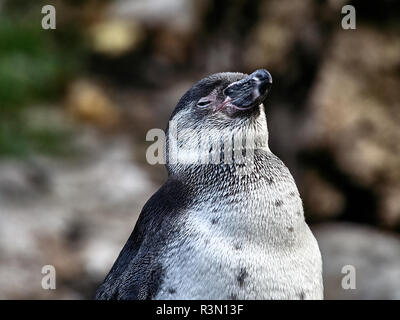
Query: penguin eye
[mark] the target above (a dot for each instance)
(204, 102)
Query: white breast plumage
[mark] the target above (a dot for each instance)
(246, 245)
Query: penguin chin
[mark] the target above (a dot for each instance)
(246, 109)
(240, 112)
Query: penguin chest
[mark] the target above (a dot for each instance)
(242, 252)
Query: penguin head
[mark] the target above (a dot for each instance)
(223, 99)
(222, 106)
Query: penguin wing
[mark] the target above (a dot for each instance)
(137, 272)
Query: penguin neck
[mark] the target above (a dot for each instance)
(223, 154)
(250, 171)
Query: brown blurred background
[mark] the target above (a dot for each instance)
(76, 103)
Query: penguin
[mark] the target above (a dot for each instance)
(229, 222)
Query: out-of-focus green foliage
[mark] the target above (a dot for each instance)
(35, 66)
(16, 140)
(27, 69)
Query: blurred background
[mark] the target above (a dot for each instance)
(76, 103)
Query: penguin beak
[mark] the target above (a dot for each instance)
(248, 92)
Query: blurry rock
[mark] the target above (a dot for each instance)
(390, 205)
(22, 180)
(115, 37)
(354, 113)
(57, 251)
(282, 23)
(88, 102)
(324, 201)
(78, 225)
(172, 46)
(175, 14)
(374, 254)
